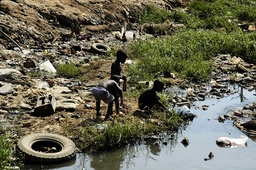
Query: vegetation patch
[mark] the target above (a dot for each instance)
(212, 29)
(68, 70)
(7, 152)
(95, 137)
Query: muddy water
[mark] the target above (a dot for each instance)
(202, 133)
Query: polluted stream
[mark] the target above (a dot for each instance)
(202, 152)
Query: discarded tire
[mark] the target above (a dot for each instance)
(46, 147)
(99, 48)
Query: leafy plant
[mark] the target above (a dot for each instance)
(153, 14)
(7, 152)
(188, 53)
(68, 70)
(110, 136)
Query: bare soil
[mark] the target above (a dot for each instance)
(31, 22)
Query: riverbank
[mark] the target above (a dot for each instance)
(24, 78)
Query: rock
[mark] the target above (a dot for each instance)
(25, 106)
(45, 106)
(251, 125)
(252, 27)
(185, 141)
(167, 27)
(202, 95)
(221, 118)
(235, 60)
(67, 105)
(6, 89)
(3, 112)
(58, 90)
(218, 85)
(238, 113)
(241, 69)
(205, 107)
(26, 124)
(9, 74)
(29, 63)
(210, 156)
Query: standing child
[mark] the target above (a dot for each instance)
(116, 68)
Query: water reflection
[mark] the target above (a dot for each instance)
(106, 160)
(155, 149)
(49, 165)
(127, 157)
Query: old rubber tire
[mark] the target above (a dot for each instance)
(63, 148)
(99, 48)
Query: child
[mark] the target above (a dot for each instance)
(108, 91)
(149, 97)
(116, 68)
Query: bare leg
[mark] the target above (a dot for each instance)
(98, 109)
(117, 105)
(110, 110)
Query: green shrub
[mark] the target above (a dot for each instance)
(205, 14)
(216, 22)
(188, 53)
(68, 70)
(203, 9)
(222, 13)
(247, 15)
(7, 152)
(190, 21)
(102, 137)
(111, 136)
(152, 14)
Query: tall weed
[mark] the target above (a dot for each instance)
(153, 14)
(7, 152)
(188, 53)
(68, 70)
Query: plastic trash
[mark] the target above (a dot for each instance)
(183, 110)
(231, 142)
(47, 66)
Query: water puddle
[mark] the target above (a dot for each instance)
(173, 155)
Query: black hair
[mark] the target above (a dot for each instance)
(121, 53)
(158, 85)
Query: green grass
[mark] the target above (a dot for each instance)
(223, 13)
(205, 14)
(188, 53)
(7, 152)
(153, 14)
(68, 70)
(110, 136)
(212, 29)
(105, 137)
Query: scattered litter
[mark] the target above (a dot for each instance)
(185, 141)
(231, 142)
(210, 156)
(47, 66)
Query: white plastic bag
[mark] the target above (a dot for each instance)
(47, 66)
(183, 110)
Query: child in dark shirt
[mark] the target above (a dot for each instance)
(149, 97)
(116, 68)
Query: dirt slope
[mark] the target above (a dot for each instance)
(31, 22)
